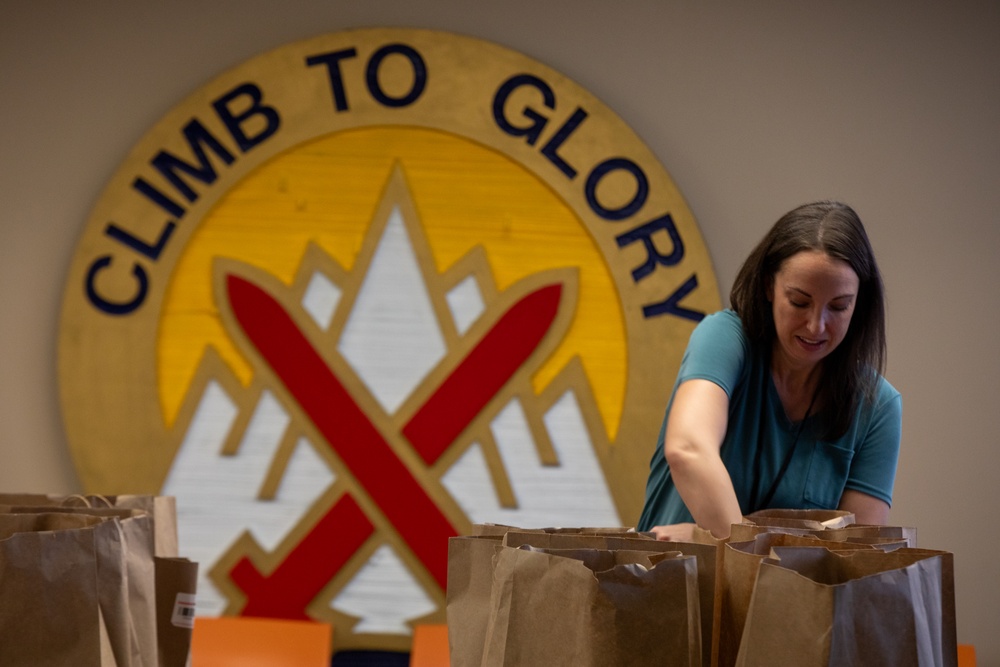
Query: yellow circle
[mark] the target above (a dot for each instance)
(325, 192)
(287, 153)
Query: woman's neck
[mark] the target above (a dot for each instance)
(797, 385)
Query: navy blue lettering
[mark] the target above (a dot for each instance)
(234, 122)
(141, 247)
(606, 167)
(158, 198)
(532, 131)
(671, 305)
(644, 233)
(419, 75)
(197, 137)
(115, 307)
(332, 62)
(561, 135)
(236, 109)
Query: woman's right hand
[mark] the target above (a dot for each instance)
(676, 532)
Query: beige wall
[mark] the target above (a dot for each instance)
(752, 107)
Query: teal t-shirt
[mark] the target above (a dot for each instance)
(863, 459)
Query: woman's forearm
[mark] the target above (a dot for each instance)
(706, 489)
(695, 429)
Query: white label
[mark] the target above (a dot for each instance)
(183, 616)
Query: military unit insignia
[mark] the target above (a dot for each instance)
(363, 291)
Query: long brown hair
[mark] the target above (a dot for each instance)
(850, 372)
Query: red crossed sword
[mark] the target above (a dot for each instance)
(350, 433)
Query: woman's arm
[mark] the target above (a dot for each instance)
(696, 427)
(867, 510)
(873, 468)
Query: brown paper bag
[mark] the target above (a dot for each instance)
(138, 540)
(176, 585)
(815, 607)
(888, 536)
(705, 555)
(63, 595)
(517, 538)
(593, 608)
(470, 571)
(147, 538)
(470, 574)
(873, 535)
(738, 565)
(137, 534)
(797, 518)
(501, 529)
(470, 580)
(163, 509)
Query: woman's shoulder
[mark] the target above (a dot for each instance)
(884, 400)
(719, 339)
(721, 323)
(722, 329)
(885, 393)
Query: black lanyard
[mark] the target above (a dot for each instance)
(784, 465)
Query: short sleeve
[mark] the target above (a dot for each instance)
(873, 469)
(717, 351)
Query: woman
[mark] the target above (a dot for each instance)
(780, 402)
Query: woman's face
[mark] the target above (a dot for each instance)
(812, 299)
